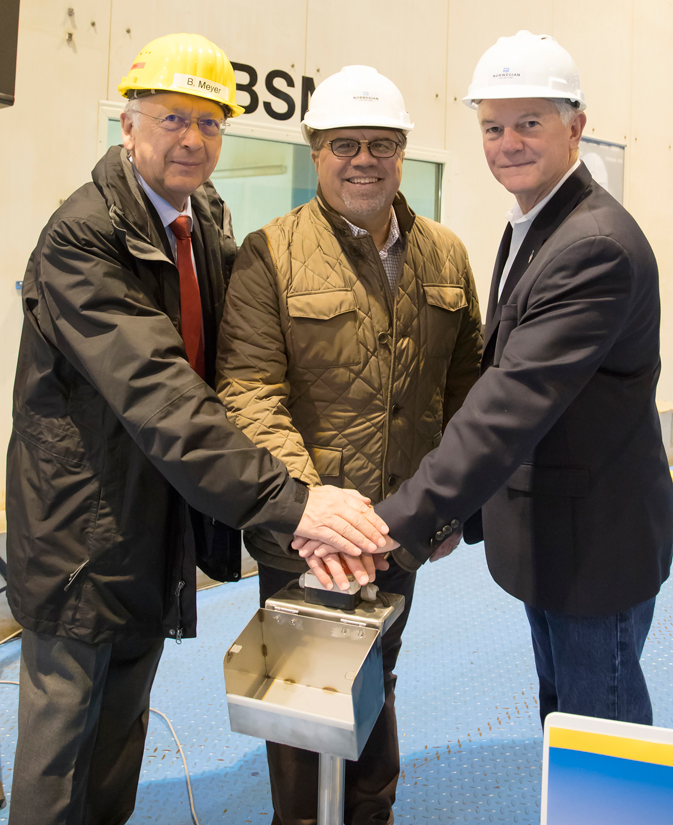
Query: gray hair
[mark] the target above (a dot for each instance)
(317, 138)
(566, 109)
(132, 111)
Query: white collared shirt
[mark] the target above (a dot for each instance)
(521, 224)
(389, 254)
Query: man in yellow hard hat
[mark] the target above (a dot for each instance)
(351, 334)
(120, 444)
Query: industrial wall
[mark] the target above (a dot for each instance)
(71, 58)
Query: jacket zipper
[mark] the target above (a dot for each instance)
(75, 573)
(179, 629)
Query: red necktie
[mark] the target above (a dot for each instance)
(190, 296)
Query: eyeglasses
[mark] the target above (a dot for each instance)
(209, 127)
(350, 148)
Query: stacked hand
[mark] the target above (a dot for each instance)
(340, 525)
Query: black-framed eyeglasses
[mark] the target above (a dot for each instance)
(377, 148)
(209, 127)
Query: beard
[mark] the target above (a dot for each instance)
(365, 205)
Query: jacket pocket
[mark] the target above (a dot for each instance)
(443, 318)
(571, 482)
(324, 329)
(328, 462)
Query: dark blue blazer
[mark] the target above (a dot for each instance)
(559, 441)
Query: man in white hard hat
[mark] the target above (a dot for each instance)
(351, 334)
(120, 443)
(559, 441)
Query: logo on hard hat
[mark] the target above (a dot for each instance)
(507, 73)
(365, 96)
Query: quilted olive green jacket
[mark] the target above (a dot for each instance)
(320, 363)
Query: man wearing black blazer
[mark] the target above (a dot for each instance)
(559, 441)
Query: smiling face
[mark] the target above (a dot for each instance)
(527, 146)
(172, 164)
(361, 189)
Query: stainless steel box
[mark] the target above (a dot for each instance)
(304, 681)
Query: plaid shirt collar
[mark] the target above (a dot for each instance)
(393, 235)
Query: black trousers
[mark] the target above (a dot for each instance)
(83, 712)
(372, 780)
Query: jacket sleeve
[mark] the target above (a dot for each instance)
(252, 360)
(466, 357)
(93, 308)
(572, 318)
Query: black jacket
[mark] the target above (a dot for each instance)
(559, 440)
(113, 431)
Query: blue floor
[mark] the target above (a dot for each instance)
(467, 709)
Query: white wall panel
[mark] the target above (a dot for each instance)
(405, 41)
(599, 35)
(51, 129)
(650, 157)
(49, 140)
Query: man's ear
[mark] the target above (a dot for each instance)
(577, 127)
(128, 138)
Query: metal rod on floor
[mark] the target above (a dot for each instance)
(331, 789)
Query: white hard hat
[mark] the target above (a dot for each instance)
(356, 96)
(526, 65)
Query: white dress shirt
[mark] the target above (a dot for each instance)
(167, 214)
(521, 224)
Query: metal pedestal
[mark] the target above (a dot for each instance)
(331, 790)
(311, 677)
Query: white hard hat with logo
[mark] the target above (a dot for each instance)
(356, 96)
(526, 65)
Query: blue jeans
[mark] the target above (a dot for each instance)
(590, 665)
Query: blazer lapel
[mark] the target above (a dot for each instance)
(500, 261)
(542, 228)
(493, 312)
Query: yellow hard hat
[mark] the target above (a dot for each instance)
(187, 63)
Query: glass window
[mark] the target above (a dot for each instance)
(114, 132)
(262, 179)
(422, 187)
